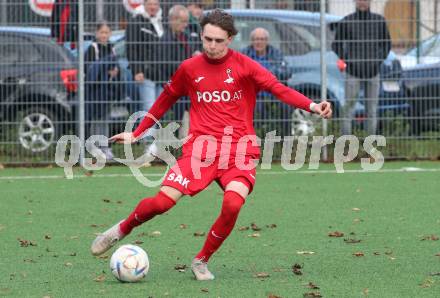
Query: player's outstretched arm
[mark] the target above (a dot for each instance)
(323, 109)
(123, 138)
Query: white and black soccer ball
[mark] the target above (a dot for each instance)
(129, 263)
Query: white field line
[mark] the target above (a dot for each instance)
(260, 173)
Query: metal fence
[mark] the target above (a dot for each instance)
(380, 80)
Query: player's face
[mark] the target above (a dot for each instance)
(215, 41)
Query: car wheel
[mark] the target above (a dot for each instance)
(37, 129)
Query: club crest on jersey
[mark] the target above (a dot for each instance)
(230, 79)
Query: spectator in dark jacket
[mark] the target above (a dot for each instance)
(267, 107)
(143, 33)
(101, 90)
(362, 42)
(176, 46)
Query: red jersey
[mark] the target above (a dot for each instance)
(222, 93)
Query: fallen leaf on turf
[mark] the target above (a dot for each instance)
(138, 242)
(254, 235)
(73, 254)
(273, 296)
(106, 200)
(357, 220)
(47, 237)
(68, 264)
(26, 243)
(88, 173)
(437, 254)
(365, 291)
(245, 228)
(430, 237)
(262, 275)
(204, 290)
(271, 226)
(312, 286)
(351, 241)
(28, 261)
(389, 253)
(427, 283)
(99, 278)
(358, 254)
(255, 227)
(312, 295)
(305, 252)
(296, 269)
(356, 209)
(336, 234)
(155, 233)
(376, 253)
(183, 226)
(29, 212)
(180, 267)
(105, 257)
(434, 273)
(279, 270)
(119, 202)
(199, 234)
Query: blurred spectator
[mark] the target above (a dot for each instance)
(64, 22)
(195, 9)
(362, 42)
(176, 46)
(143, 34)
(272, 59)
(101, 88)
(142, 37)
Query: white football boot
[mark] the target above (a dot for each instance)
(200, 270)
(106, 240)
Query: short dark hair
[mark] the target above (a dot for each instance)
(222, 19)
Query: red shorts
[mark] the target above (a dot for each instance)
(189, 176)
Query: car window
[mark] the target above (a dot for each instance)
(245, 27)
(30, 50)
(434, 50)
(290, 38)
(9, 53)
(426, 47)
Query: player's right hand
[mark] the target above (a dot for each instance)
(123, 138)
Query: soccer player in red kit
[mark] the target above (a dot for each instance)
(222, 85)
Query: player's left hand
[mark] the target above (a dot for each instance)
(324, 109)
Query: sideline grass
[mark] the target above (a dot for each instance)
(395, 212)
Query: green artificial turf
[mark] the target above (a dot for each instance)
(391, 219)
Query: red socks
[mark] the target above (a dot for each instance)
(146, 210)
(223, 226)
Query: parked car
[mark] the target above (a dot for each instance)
(421, 87)
(428, 53)
(297, 34)
(37, 87)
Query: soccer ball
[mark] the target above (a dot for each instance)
(129, 263)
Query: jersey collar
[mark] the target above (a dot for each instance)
(218, 61)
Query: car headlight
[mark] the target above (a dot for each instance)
(391, 86)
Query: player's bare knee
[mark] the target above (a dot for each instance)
(171, 193)
(239, 187)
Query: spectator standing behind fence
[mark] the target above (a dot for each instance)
(273, 60)
(101, 90)
(175, 46)
(143, 35)
(195, 9)
(362, 42)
